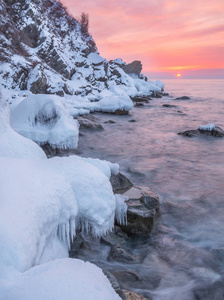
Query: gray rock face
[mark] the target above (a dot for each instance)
(120, 183)
(133, 68)
(215, 132)
(142, 213)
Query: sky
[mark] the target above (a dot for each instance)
(169, 37)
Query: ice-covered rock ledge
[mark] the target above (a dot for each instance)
(205, 130)
(42, 204)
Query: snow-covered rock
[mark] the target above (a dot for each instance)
(45, 119)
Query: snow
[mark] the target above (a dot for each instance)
(45, 119)
(62, 279)
(113, 103)
(96, 58)
(13, 144)
(208, 127)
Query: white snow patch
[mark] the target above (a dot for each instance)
(96, 58)
(208, 127)
(45, 119)
(113, 103)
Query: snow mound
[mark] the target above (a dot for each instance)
(96, 58)
(208, 127)
(45, 119)
(63, 279)
(13, 144)
(113, 103)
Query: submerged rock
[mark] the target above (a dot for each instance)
(117, 236)
(207, 130)
(86, 123)
(141, 99)
(119, 254)
(142, 213)
(169, 105)
(183, 98)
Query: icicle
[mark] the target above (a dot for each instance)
(121, 209)
(72, 229)
(63, 233)
(67, 234)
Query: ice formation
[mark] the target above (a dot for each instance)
(45, 119)
(43, 202)
(208, 127)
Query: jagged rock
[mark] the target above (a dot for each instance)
(215, 132)
(183, 98)
(141, 99)
(120, 183)
(85, 123)
(117, 236)
(142, 213)
(129, 295)
(169, 105)
(119, 254)
(133, 68)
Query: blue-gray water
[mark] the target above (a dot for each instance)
(188, 175)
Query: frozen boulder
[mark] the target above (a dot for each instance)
(206, 130)
(45, 119)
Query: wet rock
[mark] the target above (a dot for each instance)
(114, 283)
(138, 104)
(128, 279)
(137, 99)
(117, 236)
(76, 245)
(142, 213)
(157, 95)
(120, 183)
(215, 132)
(169, 105)
(183, 98)
(214, 292)
(110, 122)
(121, 112)
(85, 123)
(119, 254)
(129, 295)
(132, 121)
(133, 68)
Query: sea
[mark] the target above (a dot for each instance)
(184, 259)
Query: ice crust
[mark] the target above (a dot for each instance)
(208, 127)
(42, 204)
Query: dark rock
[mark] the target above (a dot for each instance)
(214, 292)
(133, 68)
(142, 213)
(127, 278)
(219, 254)
(138, 104)
(119, 254)
(114, 283)
(129, 295)
(169, 105)
(120, 183)
(215, 132)
(40, 85)
(110, 122)
(183, 98)
(76, 245)
(132, 121)
(121, 112)
(114, 237)
(86, 123)
(141, 99)
(157, 95)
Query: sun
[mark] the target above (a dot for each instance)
(178, 75)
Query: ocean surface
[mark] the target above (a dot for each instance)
(185, 259)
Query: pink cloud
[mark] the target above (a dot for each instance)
(161, 33)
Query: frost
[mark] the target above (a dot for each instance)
(208, 127)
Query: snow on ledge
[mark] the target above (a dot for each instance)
(95, 58)
(208, 127)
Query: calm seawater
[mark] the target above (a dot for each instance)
(188, 175)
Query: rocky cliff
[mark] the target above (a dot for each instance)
(45, 50)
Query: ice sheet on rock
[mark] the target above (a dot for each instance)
(62, 279)
(35, 201)
(13, 144)
(93, 193)
(208, 127)
(45, 119)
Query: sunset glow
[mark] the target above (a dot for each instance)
(178, 75)
(166, 35)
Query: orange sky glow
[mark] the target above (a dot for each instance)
(168, 36)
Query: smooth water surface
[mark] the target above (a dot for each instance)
(188, 175)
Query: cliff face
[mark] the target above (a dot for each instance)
(45, 50)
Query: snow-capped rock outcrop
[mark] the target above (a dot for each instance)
(45, 50)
